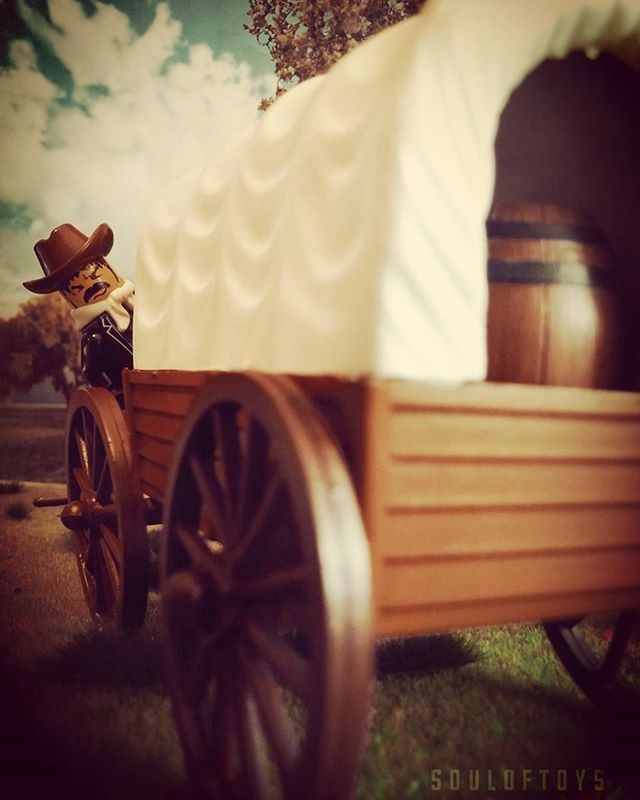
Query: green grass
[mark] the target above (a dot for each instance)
(488, 699)
(86, 709)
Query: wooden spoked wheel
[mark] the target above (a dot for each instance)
(105, 510)
(265, 597)
(603, 659)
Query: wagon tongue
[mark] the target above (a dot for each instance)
(47, 502)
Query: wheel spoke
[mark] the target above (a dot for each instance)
(82, 479)
(285, 661)
(252, 754)
(223, 725)
(273, 492)
(274, 583)
(226, 433)
(211, 494)
(615, 654)
(88, 441)
(114, 545)
(276, 723)
(110, 570)
(81, 445)
(89, 583)
(82, 544)
(93, 557)
(92, 463)
(252, 473)
(108, 510)
(102, 477)
(197, 548)
(84, 551)
(182, 601)
(201, 673)
(102, 579)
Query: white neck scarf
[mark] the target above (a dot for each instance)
(117, 306)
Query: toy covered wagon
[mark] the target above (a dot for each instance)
(308, 413)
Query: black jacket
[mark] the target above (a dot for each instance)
(106, 352)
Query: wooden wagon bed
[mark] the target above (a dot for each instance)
(482, 504)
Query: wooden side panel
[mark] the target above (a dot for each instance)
(158, 401)
(156, 404)
(502, 503)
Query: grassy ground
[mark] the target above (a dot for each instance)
(88, 709)
(85, 711)
(32, 442)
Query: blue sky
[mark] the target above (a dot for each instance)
(103, 105)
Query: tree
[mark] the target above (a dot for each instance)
(305, 37)
(37, 343)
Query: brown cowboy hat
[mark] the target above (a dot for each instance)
(64, 252)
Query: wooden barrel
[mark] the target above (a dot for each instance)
(554, 312)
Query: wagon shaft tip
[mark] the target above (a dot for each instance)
(47, 502)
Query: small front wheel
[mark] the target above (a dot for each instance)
(105, 510)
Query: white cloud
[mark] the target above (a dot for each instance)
(160, 119)
(25, 99)
(103, 49)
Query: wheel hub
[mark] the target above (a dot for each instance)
(198, 602)
(75, 516)
(79, 515)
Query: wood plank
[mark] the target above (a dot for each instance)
(418, 485)
(481, 531)
(167, 401)
(413, 620)
(166, 428)
(167, 377)
(155, 450)
(513, 399)
(481, 579)
(420, 434)
(153, 476)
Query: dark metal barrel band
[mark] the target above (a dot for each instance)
(515, 229)
(549, 272)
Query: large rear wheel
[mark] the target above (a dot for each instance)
(602, 655)
(265, 596)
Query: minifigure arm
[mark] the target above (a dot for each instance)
(92, 369)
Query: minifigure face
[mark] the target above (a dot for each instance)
(90, 284)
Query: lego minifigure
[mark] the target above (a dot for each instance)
(102, 302)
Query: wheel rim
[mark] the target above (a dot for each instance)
(601, 659)
(105, 511)
(256, 644)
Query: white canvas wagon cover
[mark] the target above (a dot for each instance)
(345, 232)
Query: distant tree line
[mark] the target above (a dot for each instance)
(39, 342)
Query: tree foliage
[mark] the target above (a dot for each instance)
(37, 343)
(305, 37)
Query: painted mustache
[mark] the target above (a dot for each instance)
(96, 288)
